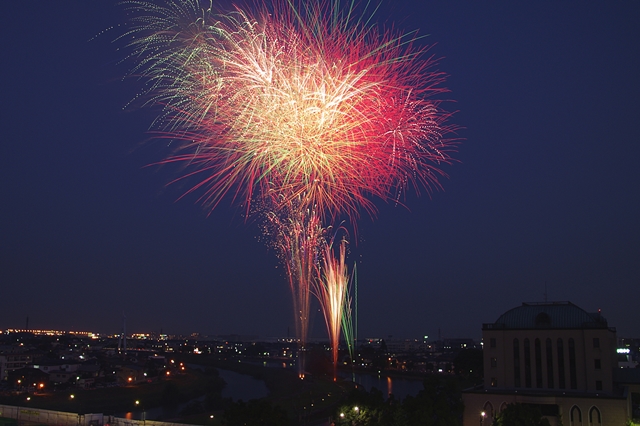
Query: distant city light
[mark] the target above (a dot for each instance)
(52, 332)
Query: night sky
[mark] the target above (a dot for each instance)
(545, 195)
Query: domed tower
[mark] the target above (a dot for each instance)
(553, 355)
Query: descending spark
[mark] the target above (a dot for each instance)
(297, 105)
(297, 239)
(350, 337)
(332, 290)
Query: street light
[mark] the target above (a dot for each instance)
(482, 416)
(144, 414)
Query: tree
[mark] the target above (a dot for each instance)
(257, 412)
(468, 363)
(171, 395)
(521, 415)
(438, 404)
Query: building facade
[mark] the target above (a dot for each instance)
(13, 361)
(555, 356)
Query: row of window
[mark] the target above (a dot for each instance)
(15, 365)
(575, 414)
(548, 353)
(494, 383)
(596, 342)
(16, 358)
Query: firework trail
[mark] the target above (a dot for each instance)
(299, 106)
(297, 237)
(332, 290)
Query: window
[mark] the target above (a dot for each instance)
(596, 342)
(538, 350)
(494, 382)
(488, 409)
(527, 364)
(597, 364)
(573, 372)
(561, 378)
(492, 342)
(516, 363)
(494, 362)
(543, 320)
(549, 364)
(576, 416)
(598, 384)
(594, 416)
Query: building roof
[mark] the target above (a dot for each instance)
(556, 315)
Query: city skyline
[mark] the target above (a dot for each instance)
(542, 202)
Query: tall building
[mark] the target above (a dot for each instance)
(557, 357)
(13, 361)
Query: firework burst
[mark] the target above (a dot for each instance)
(299, 106)
(308, 100)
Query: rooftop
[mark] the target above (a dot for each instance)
(551, 315)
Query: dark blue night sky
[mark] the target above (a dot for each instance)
(545, 196)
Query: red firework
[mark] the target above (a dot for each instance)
(306, 101)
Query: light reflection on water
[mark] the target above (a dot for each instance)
(272, 363)
(399, 387)
(239, 386)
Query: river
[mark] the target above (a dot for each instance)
(239, 386)
(244, 387)
(399, 387)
